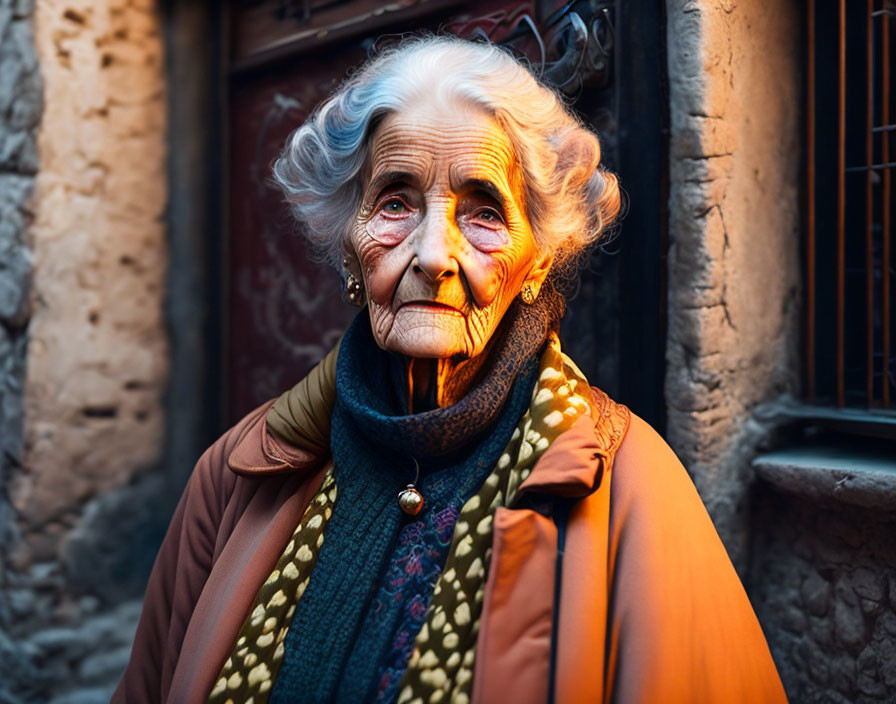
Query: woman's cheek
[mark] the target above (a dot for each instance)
(384, 272)
(486, 278)
(390, 231)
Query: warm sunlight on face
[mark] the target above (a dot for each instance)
(442, 235)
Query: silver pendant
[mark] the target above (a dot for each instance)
(410, 500)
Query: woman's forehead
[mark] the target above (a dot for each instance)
(463, 143)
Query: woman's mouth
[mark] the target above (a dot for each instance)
(429, 307)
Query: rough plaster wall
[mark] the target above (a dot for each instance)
(733, 234)
(96, 354)
(825, 592)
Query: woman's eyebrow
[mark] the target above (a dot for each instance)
(488, 187)
(380, 181)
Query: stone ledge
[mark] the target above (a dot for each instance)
(862, 476)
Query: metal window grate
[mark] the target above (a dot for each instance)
(850, 162)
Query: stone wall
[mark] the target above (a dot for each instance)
(20, 111)
(824, 586)
(97, 358)
(733, 334)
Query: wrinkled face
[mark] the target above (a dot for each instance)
(441, 236)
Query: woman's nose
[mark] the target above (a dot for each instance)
(437, 246)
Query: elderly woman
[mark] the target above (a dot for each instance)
(444, 510)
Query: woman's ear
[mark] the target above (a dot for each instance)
(350, 262)
(539, 272)
(351, 274)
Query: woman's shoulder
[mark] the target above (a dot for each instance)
(287, 433)
(247, 449)
(213, 474)
(643, 447)
(648, 484)
(245, 427)
(648, 469)
(649, 480)
(251, 449)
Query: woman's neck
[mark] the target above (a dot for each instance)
(439, 383)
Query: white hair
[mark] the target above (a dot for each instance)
(570, 199)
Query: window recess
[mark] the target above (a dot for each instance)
(850, 367)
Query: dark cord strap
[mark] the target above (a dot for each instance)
(561, 511)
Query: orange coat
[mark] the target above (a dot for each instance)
(651, 609)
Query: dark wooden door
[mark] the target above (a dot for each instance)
(282, 312)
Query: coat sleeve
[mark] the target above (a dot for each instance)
(182, 566)
(680, 625)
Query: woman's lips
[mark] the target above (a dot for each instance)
(429, 307)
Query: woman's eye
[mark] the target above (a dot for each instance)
(392, 220)
(394, 206)
(489, 215)
(485, 229)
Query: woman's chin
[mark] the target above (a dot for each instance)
(425, 342)
(427, 347)
(425, 335)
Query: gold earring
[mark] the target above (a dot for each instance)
(354, 290)
(528, 294)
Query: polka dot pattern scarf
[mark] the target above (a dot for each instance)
(251, 669)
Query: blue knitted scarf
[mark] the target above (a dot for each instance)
(355, 624)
